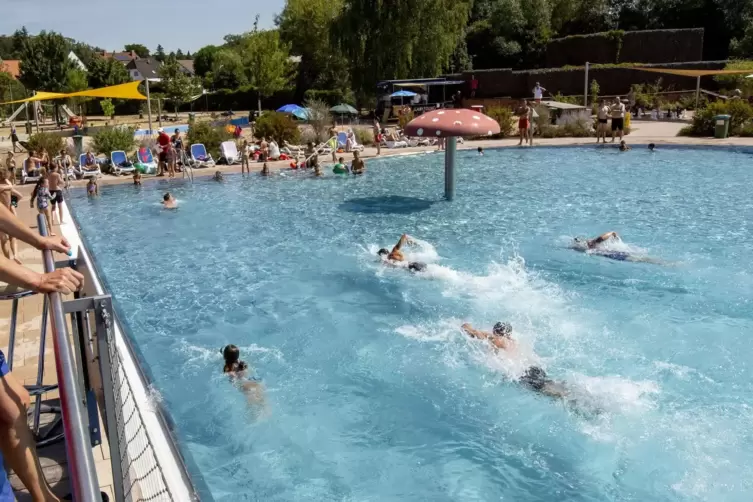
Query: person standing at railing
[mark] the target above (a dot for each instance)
(16, 440)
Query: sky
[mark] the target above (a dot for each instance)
(110, 24)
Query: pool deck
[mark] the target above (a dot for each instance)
(52, 458)
(643, 132)
(30, 309)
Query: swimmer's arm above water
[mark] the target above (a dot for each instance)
(404, 239)
(474, 333)
(603, 238)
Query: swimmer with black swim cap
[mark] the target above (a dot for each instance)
(537, 380)
(396, 255)
(500, 338)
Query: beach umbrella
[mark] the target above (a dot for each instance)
(301, 113)
(344, 109)
(289, 109)
(403, 94)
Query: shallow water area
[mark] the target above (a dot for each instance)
(373, 393)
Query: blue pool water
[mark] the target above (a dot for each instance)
(374, 394)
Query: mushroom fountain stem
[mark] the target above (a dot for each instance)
(449, 168)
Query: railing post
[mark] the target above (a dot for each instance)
(83, 475)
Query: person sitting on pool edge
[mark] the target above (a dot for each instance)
(500, 338)
(238, 371)
(593, 243)
(396, 255)
(169, 202)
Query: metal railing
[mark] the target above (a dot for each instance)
(83, 475)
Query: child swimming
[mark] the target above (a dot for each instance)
(238, 371)
(169, 202)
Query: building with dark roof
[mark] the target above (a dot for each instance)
(141, 69)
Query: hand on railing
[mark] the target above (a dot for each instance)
(62, 280)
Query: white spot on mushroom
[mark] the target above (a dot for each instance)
(476, 117)
(440, 113)
(490, 133)
(457, 111)
(490, 119)
(457, 122)
(439, 133)
(435, 119)
(420, 131)
(475, 124)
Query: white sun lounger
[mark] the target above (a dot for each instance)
(29, 178)
(230, 152)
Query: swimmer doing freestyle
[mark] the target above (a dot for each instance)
(396, 255)
(534, 377)
(596, 246)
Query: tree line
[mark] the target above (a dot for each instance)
(341, 48)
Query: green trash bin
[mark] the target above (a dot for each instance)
(721, 126)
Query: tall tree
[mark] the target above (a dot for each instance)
(179, 88)
(85, 52)
(10, 90)
(140, 50)
(322, 66)
(44, 62)
(227, 70)
(399, 39)
(267, 62)
(204, 59)
(76, 80)
(179, 54)
(159, 54)
(105, 72)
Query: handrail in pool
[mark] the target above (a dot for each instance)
(78, 450)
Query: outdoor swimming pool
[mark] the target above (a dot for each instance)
(373, 393)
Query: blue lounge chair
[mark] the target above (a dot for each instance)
(200, 157)
(82, 172)
(120, 163)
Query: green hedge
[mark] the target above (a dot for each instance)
(648, 46)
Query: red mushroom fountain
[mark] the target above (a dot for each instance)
(450, 124)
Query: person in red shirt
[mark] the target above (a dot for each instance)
(474, 85)
(164, 143)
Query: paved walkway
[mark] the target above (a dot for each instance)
(643, 132)
(28, 327)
